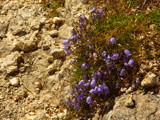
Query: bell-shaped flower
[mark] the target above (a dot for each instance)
(104, 53)
(99, 74)
(115, 56)
(87, 53)
(80, 90)
(117, 85)
(88, 40)
(93, 83)
(77, 107)
(94, 9)
(131, 62)
(73, 101)
(127, 52)
(122, 72)
(68, 52)
(73, 62)
(85, 77)
(87, 66)
(100, 90)
(91, 91)
(81, 83)
(73, 91)
(81, 24)
(126, 64)
(96, 89)
(86, 84)
(78, 98)
(137, 80)
(66, 48)
(65, 42)
(89, 100)
(100, 12)
(105, 74)
(67, 102)
(95, 55)
(83, 66)
(82, 96)
(106, 89)
(95, 75)
(133, 85)
(112, 40)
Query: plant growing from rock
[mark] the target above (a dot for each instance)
(101, 65)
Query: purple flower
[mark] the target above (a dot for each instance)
(82, 96)
(80, 90)
(117, 85)
(67, 52)
(78, 98)
(77, 106)
(73, 62)
(87, 66)
(81, 24)
(130, 63)
(91, 91)
(126, 64)
(95, 75)
(87, 53)
(127, 52)
(81, 83)
(93, 18)
(66, 48)
(122, 72)
(100, 90)
(90, 46)
(65, 42)
(73, 91)
(95, 89)
(109, 67)
(112, 40)
(93, 83)
(67, 102)
(74, 37)
(137, 80)
(99, 74)
(89, 100)
(106, 89)
(115, 56)
(73, 32)
(133, 85)
(86, 84)
(105, 74)
(73, 100)
(95, 55)
(83, 66)
(88, 40)
(100, 12)
(85, 77)
(84, 58)
(104, 53)
(94, 9)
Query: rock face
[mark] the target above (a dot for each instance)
(147, 107)
(150, 80)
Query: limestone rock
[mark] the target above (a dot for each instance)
(58, 21)
(14, 82)
(129, 102)
(58, 52)
(10, 62)
(53, 33)
(150, 80)
(3, 29)
(147, 107)
(64, 31)
(26, 46)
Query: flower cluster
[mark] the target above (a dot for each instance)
(100, 69)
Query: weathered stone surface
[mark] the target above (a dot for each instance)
(58, 21)
(10, 62)
(14, 82)
(58, 52)
(146, 108)
(64, 31)
(150, 80)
